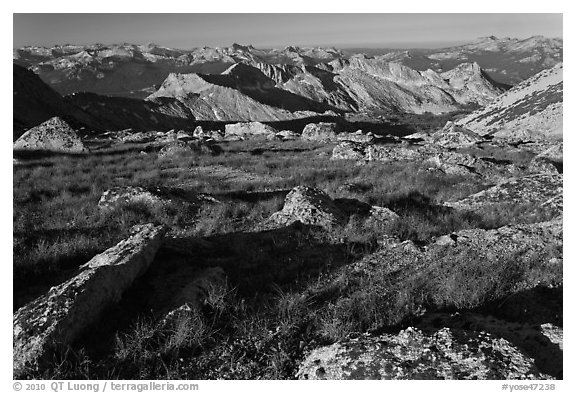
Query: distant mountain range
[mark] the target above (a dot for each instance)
(359, 84)
(137, 70)
(148, 87)
(507, 60)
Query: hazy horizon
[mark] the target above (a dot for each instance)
(186, 31)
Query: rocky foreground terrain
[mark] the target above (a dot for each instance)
(182, 236)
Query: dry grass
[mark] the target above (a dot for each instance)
(258, 332)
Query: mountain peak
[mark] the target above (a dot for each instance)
(238, 47)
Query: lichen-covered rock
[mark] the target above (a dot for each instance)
(249, 130)
(61, 315)
(390, 153)
(205, 134)
(357, 136)
(348, 151)
(287, 135)
(535, 236)
(54, 135)
(553, 153)
(454, 163)
(542, 165)
(537, 188)
(541, 342)
(450, 157)
(176, 149)
(120, 195)
(412, 354)
(381, 214)
(139, 137)
(320, 132)
(455, 136)
(310, 206)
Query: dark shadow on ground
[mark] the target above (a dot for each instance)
(251, 196)
(534, 306)
(415, 207)
(496, 161)
(379, 127)
(256, 265)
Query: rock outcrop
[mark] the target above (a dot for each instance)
(454, 163)
(553, 153)
(391, 153)
(349, 151)
(310, 206)
(54, 135)
(60, 316)
(176, 149)
(511, 237)
(454, 136)
(357, 136)
(249, 130)
(413, 354)
(542, 342)
(368, 152)
(548, 161)
(319, 132)
(530, 110)
(287, 135)
(536, 188)
(542, 165)
(120, 195)
(205, 134)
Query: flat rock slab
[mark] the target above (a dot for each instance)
(412, 354)
(60, 316)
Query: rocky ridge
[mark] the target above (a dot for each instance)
(530, 110)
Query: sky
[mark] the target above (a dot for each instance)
(277, 30)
